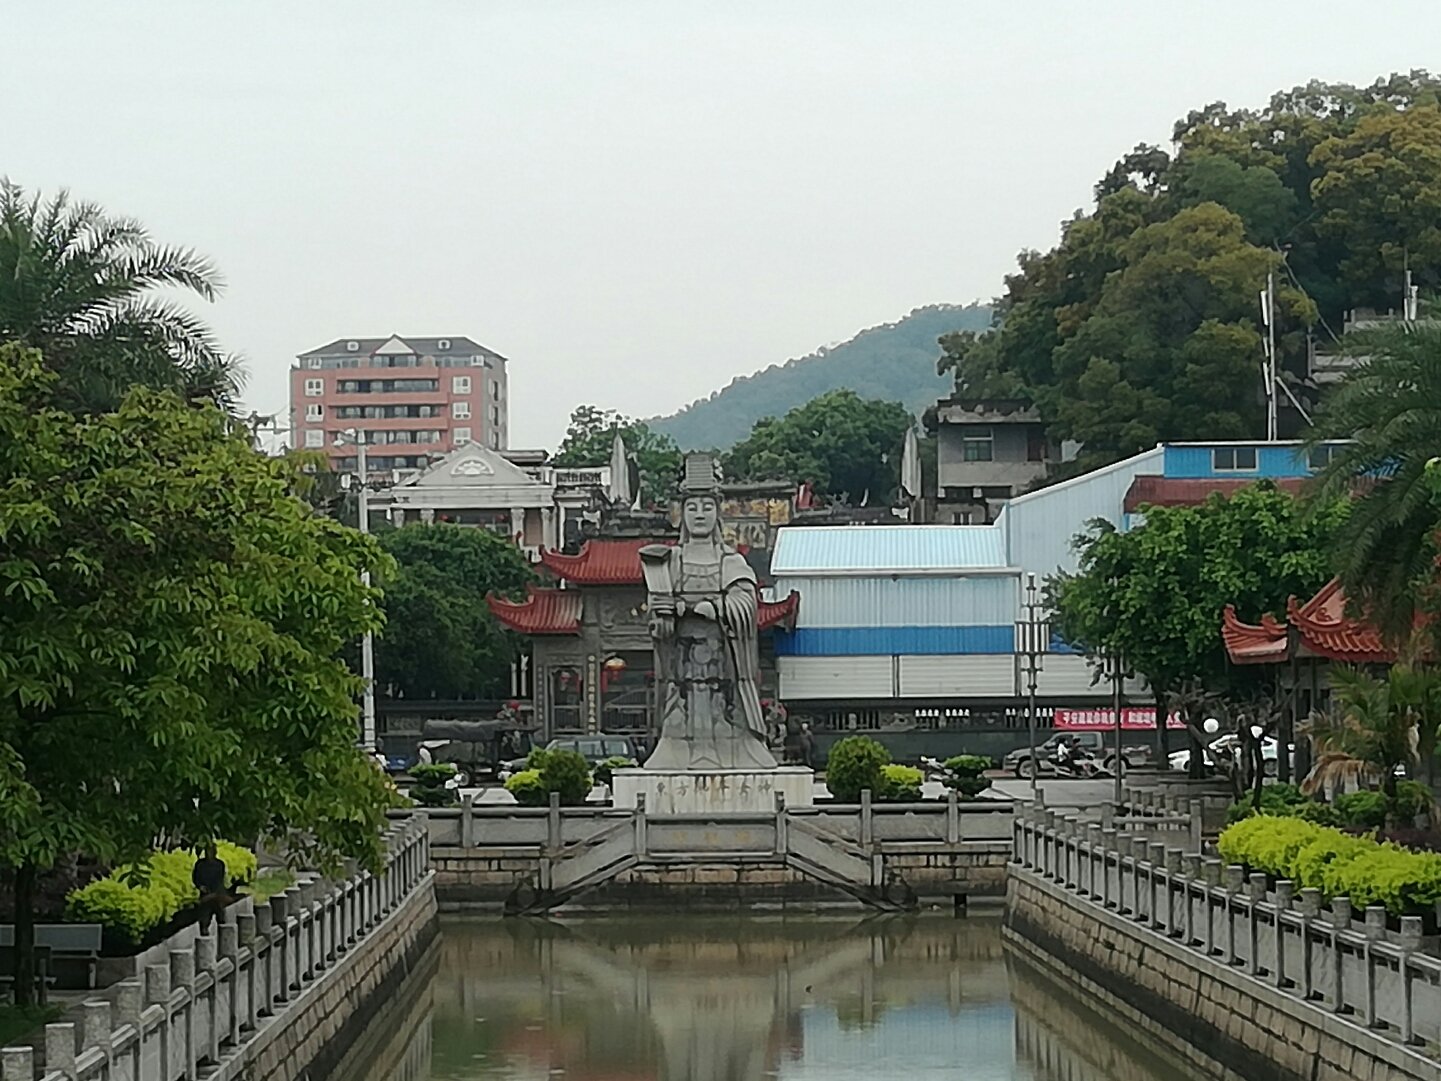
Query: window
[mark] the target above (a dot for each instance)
(567, 700)
(314, 388)
(1233, 459)
(314, 411)
(495, 415)
(494, 440)
(1036, 446)
(460, 410)
(460, 435)
(977, 445)
(460, 384)
(495, 389)
(314, 437)
(1322, 456)
(352, 347)
(477, 362)
(443, 345)
(317, 362)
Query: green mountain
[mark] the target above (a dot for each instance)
(891, 362)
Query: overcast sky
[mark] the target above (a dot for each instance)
(633, 201)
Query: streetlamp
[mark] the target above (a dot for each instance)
(1033, 640)
(1116, 670)
(367, 641)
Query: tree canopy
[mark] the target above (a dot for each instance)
(1154, 595)
(170, 639)
(1143, 323)
(590, 437)
(841, 443)
(442, 641)
(82, 286)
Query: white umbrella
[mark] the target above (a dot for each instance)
(620, 492)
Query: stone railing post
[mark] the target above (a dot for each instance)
(60, 1049)
(1310, 909)
(953, 816)
(868, 824)
(1255, 893)
(1197, 824)
(782, 845)
(1340, 921)
(182, 978)
(227, 948)
(95, 1027)
(1410, 943)
(467, 820)
(1157, 887)
(1375, 932)
(1110, 862)
(17, 1064)
(1285, 894)
(640, 838)
(1235, 879)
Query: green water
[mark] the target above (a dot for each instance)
(733, 999)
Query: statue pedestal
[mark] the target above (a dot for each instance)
(713, 791)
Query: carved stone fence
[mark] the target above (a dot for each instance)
(1346, 963)
(204, 1011)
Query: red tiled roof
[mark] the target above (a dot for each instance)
(600, 563)
(544, 611)
(1148, 490)
(1323, 630)
(779, 613)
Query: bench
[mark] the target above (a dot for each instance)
(74, 950)
(44, 980)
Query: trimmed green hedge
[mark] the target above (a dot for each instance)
(135, 900)
(565, 772)
(1364, 810)
(528, 789)
(1336, 863)
(855, 764)
(901, 784)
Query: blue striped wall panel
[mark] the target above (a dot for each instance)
(893, 641)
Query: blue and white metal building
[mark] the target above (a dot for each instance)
(923, 617)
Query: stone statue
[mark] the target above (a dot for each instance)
(703, 620)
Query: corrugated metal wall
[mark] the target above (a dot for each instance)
(903, 602)
(861, 641)
(957, 677)
(1039, 527)
(819, 678)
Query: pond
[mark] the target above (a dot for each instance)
(717, 998)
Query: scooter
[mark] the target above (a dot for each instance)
(1082, 766)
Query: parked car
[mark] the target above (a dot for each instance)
(1019, 760)
(594, 749)
(1224, 746)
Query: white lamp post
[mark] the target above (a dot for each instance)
(367, 641)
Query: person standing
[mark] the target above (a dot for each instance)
(208, 877)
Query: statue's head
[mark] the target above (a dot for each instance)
(700, 517)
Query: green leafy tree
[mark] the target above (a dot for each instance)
(82, 287)
(1154, 595)
(170, 641)
(590, 438)
(440, 639)
(841, 443)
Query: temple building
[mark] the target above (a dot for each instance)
(591, 665)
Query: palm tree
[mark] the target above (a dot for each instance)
(1378, 728)
(79, 285)
(1389, 407)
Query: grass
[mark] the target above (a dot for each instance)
(271, 881)
(16, 1022)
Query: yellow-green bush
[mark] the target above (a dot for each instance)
(902, 784)
(136, 899)
(1336, 863)
(528, 789)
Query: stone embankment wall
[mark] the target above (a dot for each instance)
(1230, 973)
(274, 995)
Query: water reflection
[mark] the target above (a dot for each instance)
(717, 999)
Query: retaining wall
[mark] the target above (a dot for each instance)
(275, 995)
(1238, 978)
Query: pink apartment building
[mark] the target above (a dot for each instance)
(411, 399)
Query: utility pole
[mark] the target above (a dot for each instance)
(1033, 636)
(367, 641)
(1269, 371)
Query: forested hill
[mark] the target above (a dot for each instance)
(892, 362)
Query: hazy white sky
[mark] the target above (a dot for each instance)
(634, 201)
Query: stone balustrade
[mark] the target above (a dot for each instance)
(200, 1012)
(1351, 965)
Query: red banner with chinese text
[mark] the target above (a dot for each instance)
(1080, 720)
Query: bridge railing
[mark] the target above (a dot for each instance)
(952, 821)
(1372, 969)
(189, 1016)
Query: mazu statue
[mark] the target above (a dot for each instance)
(703, 620)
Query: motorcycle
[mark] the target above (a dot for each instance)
(1081, 765)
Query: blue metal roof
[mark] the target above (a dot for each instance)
(912, 549)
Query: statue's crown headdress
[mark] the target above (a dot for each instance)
(700, 474)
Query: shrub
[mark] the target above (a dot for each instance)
(1336, 863)
(1323, 814)
(855, 764)
(604, 771)
(433, 774)
(1362, 810)
(968, 765)
(433, 797)
(1412, 800)
(568, 773)
(1276, 799)
(135, 900)
(901, 784)
(528, 789)
(536, 759)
